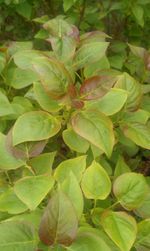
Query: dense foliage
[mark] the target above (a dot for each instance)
(74, 126)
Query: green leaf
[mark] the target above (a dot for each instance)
(41, 34)
(59, 223)
(7, 160)
(139, 116)
(42, 164)
(5, 106)
(93, 36)
(108, 241)
(74, 141)
(96, 151)
(19, 78)
(30, 217)
(121, 228)
(143, 236)
(88, 240)
(117, 61)
(67, 4)
(52, 74)
(130, 189)
(25, 57)
(71, 188)
(96, 128)
(20, 105)
(126, 82)
(41, 20)
(34, 126)
(2, 61)
(95, 68)
(107, 166)
(95, 182)
(32, 190)
(144, 210)
(129, 146)
(44, 100)
(137, 51)
(17, 236)
(58, 27)
(64, 47)
(138, 133)
(24, 9)
(138, 12)
(16, 46)
(89, 53)
(111, 103)
(76, 165)
(121, 167)
(10, 203)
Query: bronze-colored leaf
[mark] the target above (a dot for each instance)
(59, 223)
(28, 149)
(96, 87)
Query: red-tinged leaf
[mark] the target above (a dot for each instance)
(72, 91)
(93, 36)
(78, 104)
(138, 51)
(23, 151)
(74, 32)
(96, 87)
(52, 74)
(57, 25)
(59, 223)
(36, 148)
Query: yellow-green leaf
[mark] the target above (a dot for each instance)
(95, 182)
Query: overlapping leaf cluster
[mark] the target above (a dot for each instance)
(73, 133)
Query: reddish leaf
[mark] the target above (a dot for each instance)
(33, 148)
(74, 32)
(78, 104)
(96, 87)
(93, 36)
(72, 91)
(59, 223)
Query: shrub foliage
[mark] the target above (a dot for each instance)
(75, 136)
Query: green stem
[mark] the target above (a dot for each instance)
(113, 205)
(82, 13)
(8, 177)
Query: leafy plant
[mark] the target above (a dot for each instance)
(73, 135)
